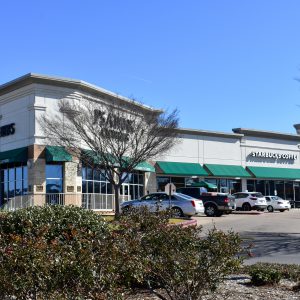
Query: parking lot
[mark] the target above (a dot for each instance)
(276, 236)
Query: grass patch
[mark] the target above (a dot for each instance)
(175, 221)
(111, 218)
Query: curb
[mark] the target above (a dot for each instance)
(186, 223)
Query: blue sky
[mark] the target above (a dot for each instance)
(223, 64)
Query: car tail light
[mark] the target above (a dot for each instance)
(226, 200)
(253, 198)
(193, 203)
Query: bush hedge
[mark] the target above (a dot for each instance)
(56, 252)
(287, 271)
(265, 276)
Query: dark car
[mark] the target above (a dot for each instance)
(215, 204)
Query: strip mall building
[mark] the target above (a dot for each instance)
(33, 173)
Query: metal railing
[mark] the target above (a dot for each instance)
(55, 199)
(11, 204)
(101, 201)
(104, 202)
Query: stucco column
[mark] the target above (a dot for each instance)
(150, 183)
(72, 183)
(37, 174)
(244, 185)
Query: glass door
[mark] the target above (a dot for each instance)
(125, 192)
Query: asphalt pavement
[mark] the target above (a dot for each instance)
(275, 236)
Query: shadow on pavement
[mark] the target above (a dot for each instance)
(273, 247)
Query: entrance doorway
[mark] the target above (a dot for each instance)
(125, 192)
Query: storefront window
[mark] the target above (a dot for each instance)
(260, 186)
(289, 190)
(222, 186)
(230, 186)
(54, 179)
(212, 181)
(162, 182)
(133, 187)
(251, 186)
(270, 187)
(279, 188)
(234, 186)
(178, 181)
(13, 182)
(94, 182)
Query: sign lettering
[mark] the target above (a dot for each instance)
(274, 155)
(7, 130)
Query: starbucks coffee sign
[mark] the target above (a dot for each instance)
(274, 155)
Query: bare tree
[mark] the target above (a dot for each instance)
(119, 136)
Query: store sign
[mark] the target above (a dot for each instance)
(113, 126)
(274, 155)
(7, 130)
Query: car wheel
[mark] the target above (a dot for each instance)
(281, 210)
(270, 208)
(210, 210)
(246, 207)
(177, 212)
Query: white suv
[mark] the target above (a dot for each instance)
(247, 201)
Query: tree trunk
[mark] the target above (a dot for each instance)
(117, 200)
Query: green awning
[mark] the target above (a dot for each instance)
(57, 154)
(145, 166)
(227, 170)
(19, 155)
(204, 184)
(277, 173)
(181, 169)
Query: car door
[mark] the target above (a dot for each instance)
(150, 201)
(238, 199)
(166, 202)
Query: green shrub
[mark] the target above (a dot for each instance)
(45, 251)
(265, 275)
(288, 271)
(173, 259)
(52, 221)
(56, 252)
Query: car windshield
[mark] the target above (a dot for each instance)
(258, 195)
(276, 198)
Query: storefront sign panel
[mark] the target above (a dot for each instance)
(274, 155)
(7, 130)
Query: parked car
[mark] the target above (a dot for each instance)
(180, 204)
(247, 201)
(277, 203)
(215, 204)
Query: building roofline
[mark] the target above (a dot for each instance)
(32, 78)
(209, 133)
(267, 134)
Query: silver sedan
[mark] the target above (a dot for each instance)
(180, 204)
